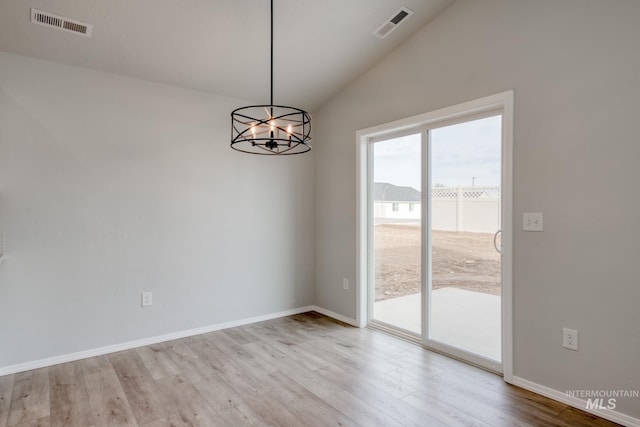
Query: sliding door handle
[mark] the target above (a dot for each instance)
(495, 242)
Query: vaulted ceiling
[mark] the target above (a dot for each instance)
(220, 46)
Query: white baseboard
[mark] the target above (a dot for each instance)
(581, 404)
(64, 358)
(336, 316)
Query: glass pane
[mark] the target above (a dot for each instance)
(465, 168)
(397, 232)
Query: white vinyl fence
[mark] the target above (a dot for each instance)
(475, 209)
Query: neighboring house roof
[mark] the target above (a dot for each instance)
(383, 191)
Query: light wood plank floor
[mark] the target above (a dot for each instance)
(304, 370)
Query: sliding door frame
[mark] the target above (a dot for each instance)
(501, 103)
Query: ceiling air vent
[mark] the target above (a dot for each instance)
(60, 22)
(393, 22)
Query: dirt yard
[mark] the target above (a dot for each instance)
(460, 260)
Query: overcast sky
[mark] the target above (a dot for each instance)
(458, 153)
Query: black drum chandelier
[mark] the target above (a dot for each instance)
(270, 129)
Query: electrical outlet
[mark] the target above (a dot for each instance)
(532, 221)
(345, 284)
(147, 299)
(570, 339)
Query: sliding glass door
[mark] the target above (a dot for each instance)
(435, 220)
(396, 229)
(464, 262)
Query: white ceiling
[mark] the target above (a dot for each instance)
(220, 46)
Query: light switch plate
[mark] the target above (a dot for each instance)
(532, 221)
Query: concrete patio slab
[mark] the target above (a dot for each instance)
(460, 318)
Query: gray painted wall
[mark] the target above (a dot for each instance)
(574, 66)
(110, 186)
